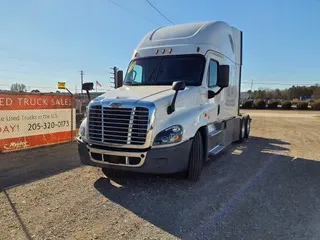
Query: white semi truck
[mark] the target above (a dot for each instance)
(178, 106)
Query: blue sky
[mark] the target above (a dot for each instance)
(46, 41)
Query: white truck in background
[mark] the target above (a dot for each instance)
(178, 106)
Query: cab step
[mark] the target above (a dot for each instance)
(216, 150)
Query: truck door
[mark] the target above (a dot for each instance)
(215, 120)
(229, 95)
(211, 84)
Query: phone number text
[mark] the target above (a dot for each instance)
(47, 125)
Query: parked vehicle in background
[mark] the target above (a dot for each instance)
(179, 104)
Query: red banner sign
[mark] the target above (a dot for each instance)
(31, 120)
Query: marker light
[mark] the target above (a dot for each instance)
(157, 51)
(170, 50)
(163, 51)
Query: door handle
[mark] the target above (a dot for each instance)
(218, 109)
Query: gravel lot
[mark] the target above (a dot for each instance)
(265, 188)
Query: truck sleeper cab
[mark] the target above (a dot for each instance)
(178, 106)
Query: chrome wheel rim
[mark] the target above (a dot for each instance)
(248, 126)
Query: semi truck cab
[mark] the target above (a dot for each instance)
(178, 106)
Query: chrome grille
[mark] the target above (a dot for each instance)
(119, 125)
(95, 123)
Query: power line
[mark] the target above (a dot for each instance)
(4, 50)
(159, 12)
(34, 73)
(28, 60)
(137, 14)
(31, 63)
(287, 84)
(48, 58)
(50, 73)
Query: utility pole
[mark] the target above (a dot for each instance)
(81, 96)
(251, 83)
(81, 75)
(115, 70)
(114, 76)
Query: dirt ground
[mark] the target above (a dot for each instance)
(265, 188)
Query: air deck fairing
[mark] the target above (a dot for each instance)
(186, 38)
(216, 37)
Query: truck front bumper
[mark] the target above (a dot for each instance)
(156, 160)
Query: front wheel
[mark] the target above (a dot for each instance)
(195, 158)
(110, 173)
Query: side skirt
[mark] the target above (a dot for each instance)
(221, 134)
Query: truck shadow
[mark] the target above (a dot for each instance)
(251, 191)
(25, 166)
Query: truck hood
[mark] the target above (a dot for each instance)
(137, 93)
(159, 95)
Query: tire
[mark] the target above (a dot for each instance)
(110, 172)
(248, 127)
(242, 130)
(195, 158)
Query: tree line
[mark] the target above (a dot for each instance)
(293, 92)
(307, 92)
(20, 87)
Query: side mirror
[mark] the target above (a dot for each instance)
(87, 86)
(178, 86)
(223, 76)
(211, 94)
(119, 79)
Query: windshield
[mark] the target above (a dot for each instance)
(166, 70)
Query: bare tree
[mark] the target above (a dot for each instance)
(18, 87)
(316, 93)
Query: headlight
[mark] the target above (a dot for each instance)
(82, 129)
(170, 135)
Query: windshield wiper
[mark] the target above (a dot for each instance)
(151, 75)
(132, 83)
(156, 69)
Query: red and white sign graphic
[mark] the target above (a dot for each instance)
(34, 120)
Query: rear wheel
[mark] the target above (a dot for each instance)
(195, 158)
(242, 131)
(247, 123)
